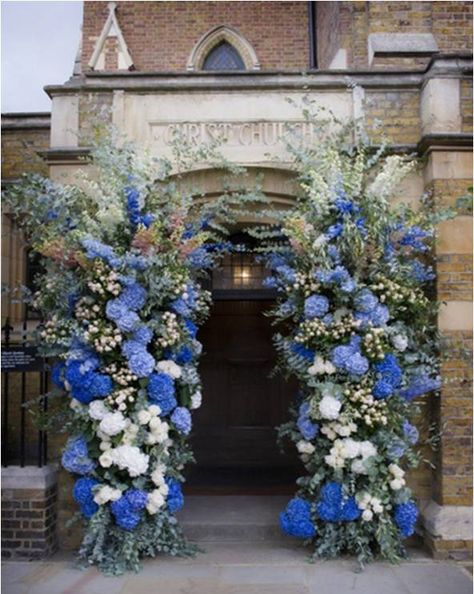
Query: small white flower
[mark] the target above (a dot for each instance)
(155, 501)
(367, 449)
(104, 446)
(396, 471)
(98, 410)
(329, 407)
(106, 459)
(154, 410)
(144, 417)
(113, 423)
(377, 507)
(367, 515)
(400, 342)
(358, 466)
(305, 447)
(196, 400)
(169, 367)
(397, 484)
(106, 493)
(351, 448)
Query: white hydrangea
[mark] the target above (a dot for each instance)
(106, 493)
(400, 342)
(169, 367)
(155, 501)
(305, 447)
(130, 458)
(350, 447)
(329, 407)
(321, 366)
(98, 410)
(196, 400)
(113, 423)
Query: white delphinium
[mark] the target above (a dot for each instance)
(113, 423)
(130, 458)
(305, 447)
(169, 367)
(98, 410)
(106, 493)
(400, 342)
(196, 400)
(329, 407)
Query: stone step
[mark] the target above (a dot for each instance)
(233, 518)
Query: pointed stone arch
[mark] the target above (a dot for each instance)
(111, 30)
(216, 36)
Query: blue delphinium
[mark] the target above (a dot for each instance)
(296, 519)
(410, 432)
(316, 306)
(96, 249)
(174, 499)
(161, 391)
(133, 205)
(413, 237)
(420, 386)
(334, 507)
(420, 272)
(406, 515)
(334, 230)
(307, 428)
(76, 456)
(181, 419)
(84, 496)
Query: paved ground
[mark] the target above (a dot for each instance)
(241, 568)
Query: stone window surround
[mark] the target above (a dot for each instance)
(216, 36)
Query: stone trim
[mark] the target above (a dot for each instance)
(65, 155)
(28, 477)
(26, 120)
(111, 29)
(444, 142)
(389, 45)
(215, 36)
(447, 522)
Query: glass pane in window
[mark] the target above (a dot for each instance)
(223, 57)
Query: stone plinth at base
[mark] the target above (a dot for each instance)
(447, 530)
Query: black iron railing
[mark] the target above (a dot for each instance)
(25, 378)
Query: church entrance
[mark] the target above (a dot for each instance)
(234, 436)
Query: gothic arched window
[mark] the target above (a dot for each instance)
(223, 56)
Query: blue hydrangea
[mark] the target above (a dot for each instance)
(296, 519)
(200, 259)
(133, 297)
(126, 510)
(87, 385)
(57, 374)
(334, 507)
(406, 515)
(136, 262)
(118, 312)
(183, 356)
(141, 364)
(389, 371)
(84, 496)
(96, 249)
(307, 428)
(382, 389)
(420, 386)
(136, 498)
(143, 335)
(410, 432)
(161, 391)
(75, 458)
(190, 327)
(101, 385)
(287, 273)
(131, 348)
(302, 351)
(174, 499)
(356, 364)
(180, 307)
(365, 301)
(181, 419)
(128, 321)
(348, 358)
(316, 306)
(270, 282)
(395, 449)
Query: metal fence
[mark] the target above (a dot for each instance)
(25, 377)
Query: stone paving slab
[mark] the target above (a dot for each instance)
(241, 568)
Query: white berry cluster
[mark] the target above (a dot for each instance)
(121, 375)
(56, 331)
(370, 505)
(87, 310)
(374, 343)
(304, 282)
(370, 410)
(121, 397)
(104, 280)
(390, 291)
(104, 337)
(170, 332)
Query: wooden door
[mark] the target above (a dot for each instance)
(234, 436)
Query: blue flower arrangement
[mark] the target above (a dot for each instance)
(76, 458)
(296, 519)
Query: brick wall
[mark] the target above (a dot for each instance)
(466, 105)
(28, 518)
(19, 151)
(395, 114)
(161, 35)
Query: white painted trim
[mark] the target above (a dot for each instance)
(111, 29)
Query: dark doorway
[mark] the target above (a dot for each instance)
(234, 436)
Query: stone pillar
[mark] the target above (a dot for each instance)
(28, 512)
(447, 518)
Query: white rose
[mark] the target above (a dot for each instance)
(400, 342)
(104, 446)
(329, 368)
(377, 507)
(367, 515)
(196, 400)
(106, 493)
(130, 458)
(396, 471)
(154, 410)
(143, 416)
(305, 447)
(98, 410)
(329, 407)
(106, 459)
(158, 477)
(397, 484)
(328, 432)
(155, 501)
(113, 423)
(170, 368)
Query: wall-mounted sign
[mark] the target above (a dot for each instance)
(21, 359)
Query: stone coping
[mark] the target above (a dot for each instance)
(29, 477)
(447, 522)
